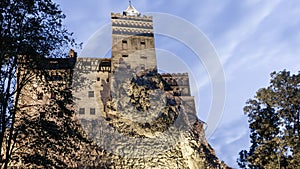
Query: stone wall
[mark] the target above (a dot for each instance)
(133, 41)
(91, 87)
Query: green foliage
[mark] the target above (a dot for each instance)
(274, 124)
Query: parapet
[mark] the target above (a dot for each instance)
(137, 18)
(94, 64)
(174, 74)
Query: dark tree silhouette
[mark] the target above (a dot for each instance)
(29, 30)
(274, 124)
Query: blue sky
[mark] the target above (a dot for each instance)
(252, 39)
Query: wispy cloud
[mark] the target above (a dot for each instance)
(245, 24)
(230, 139)
(252, 38)
(261, 39)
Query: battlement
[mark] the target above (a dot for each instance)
(94, 64)
(131, 18)
(132, 31)
(48, 63)
(174, 74)
(176, 79)
(179, 83)
(133, 24)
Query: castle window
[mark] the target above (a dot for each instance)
(98, 78)
(105, 65)
(143, 44)
(40, 96)
(124, 44)
(107, 80)
(143, 57)
(91, 93)
(124, 56)
(92, 111)
(54, 78)
(81, 111)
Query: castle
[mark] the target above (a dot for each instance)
(135, 116)
(133, 49)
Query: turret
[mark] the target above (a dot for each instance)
(131, 11)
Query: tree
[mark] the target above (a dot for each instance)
(274, 122)
(29, 30)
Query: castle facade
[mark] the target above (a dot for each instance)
(133, 50)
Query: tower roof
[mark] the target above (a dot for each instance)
(131, 11)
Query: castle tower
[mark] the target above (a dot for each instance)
(133, 40)
(133, 52)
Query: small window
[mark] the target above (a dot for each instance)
(57, 78)
(107, 80)
(124, 56)
(143, 44)
(40, 96)
(54, 78)
(81, 111)
(53, 95)
(143, 57)
(98, 79)
(91, 93)
(124, 44)
(92, 111)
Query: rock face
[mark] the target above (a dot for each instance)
(147, 126)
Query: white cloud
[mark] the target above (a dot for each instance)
(253, 38)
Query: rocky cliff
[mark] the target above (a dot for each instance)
(148, 126)
(145, 126)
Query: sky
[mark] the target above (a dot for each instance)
(251, 38)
